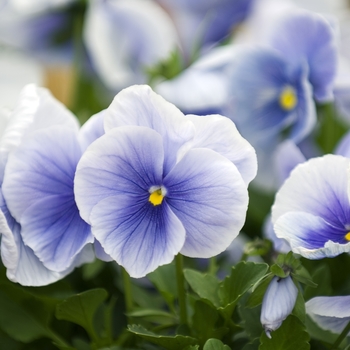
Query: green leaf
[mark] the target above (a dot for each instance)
(23, 317)
(321, 276)
(299, 307)
(242, 278)
(254, 345)
(152, 315)
(205, 285)
(81, 309)
(215, 344)
(290, 336)
(318, 333)
(191, 347)
(204, 322)
(278, 271)
(169, 342)
(164, 279)
(257, 295)
(251, 321)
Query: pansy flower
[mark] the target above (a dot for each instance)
(156, 183)
(278, 303)
(330, 313)
(311, 210)
(43, 236)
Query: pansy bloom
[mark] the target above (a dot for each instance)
(330, 313)
(43, 235)
(157, 183)
(312, 210)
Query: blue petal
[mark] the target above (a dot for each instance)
(138, 235)
(91, 130)
(278, 303)
(208, 195)
(311, 236)
(307, 36)
(330, 313)
(258, 77)
(140, 106)
(38, 189)
(128, 159)
(318, 187)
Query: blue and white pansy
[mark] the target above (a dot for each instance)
(312, 210)
(157, 184)
(43, 236)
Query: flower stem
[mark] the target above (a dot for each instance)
(181, 288)
(341, 337)
(127, 292)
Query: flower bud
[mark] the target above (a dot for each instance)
(278, 303)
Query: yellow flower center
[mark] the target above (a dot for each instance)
(156, 195)
(288, 99)
(347, 236)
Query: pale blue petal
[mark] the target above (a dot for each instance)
(257, 79)
(38, 189)
(123, 37)
(138, 235)
(91, 130)
(343, 147)
(208, 195)
(21, 263)
(311, 236)
(36, 109)
(140, 106)
(318, 187)
(308, 36)
(279, 244)
(330, 313)
(127, 160)
(286, 157)
(100, 252)
(278, 303)
(221, 135)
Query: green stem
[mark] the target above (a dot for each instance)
(58, 340)
(341, 337)
(127, 291)
(212, 265)
(181, 288)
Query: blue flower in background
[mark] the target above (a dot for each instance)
(311, 210)
(44, 237)
(268, 95)
(330, 313)
(151, 187)
(278, 303)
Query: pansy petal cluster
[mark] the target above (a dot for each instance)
(157, 184)
(43, 235)
(311, 209)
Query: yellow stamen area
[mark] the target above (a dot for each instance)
(288, 99)
(156, 197)
(347, 236)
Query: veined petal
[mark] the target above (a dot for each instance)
(53, 228)
(34, 171)
(311, 236)
(221, 135)
(140, 106)
(318, 187)
(138, 235)
(207, 193)
(305, 35)
(100, 252)
(126, 160)
(38, 189)
(278, 303)
(330, 313)
(36, 109)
